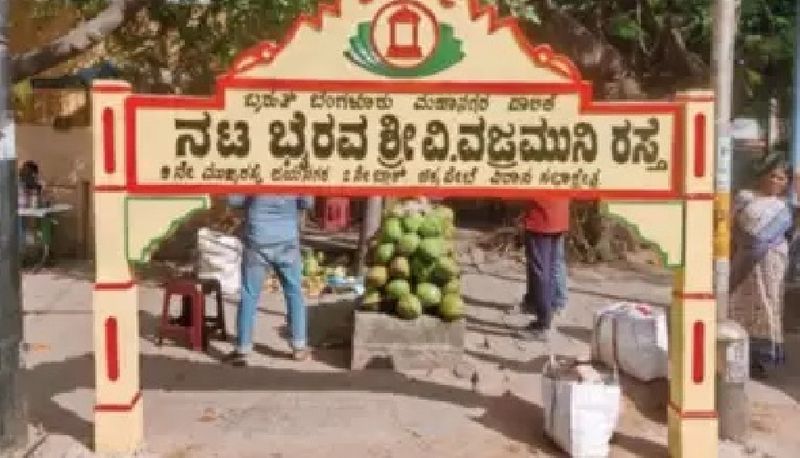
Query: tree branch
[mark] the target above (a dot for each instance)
(75, 42)
(597, 59)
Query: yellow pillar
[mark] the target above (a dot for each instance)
(692, 418)
(118, 404)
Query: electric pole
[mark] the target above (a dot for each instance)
(732, 340)
(13, 427)
(795, 154)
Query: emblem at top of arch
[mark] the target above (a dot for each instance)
(407, 39)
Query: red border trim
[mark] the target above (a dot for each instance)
(694, 296)
(109, 150)
(114, 286)
(119, 407)
(111, 88)
(110, 188)
(700, 145)
(112, 349)
(693, 414)
(698, 352)
(699, 196)
(587, 106)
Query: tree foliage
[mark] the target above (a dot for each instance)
(666, 44)
(627, 48)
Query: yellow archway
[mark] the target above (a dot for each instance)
(349, 105)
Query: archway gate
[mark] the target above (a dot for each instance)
(402, 98)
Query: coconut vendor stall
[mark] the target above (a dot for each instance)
(410, 315)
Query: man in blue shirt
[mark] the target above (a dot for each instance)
(271, 240)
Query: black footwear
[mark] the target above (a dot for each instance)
(237, 359)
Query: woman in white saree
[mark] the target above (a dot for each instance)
(762, 226)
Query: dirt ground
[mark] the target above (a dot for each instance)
(196, 406)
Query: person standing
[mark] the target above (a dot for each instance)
(546, 223)
(271, 241)
(762, 225)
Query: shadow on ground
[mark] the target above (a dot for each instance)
(509, 415)
(576, 332)
(787, 377)
(330, 324)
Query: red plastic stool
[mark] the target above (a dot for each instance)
(335, 214)
(192, 324)
(214, 323)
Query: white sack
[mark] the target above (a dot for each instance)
(579, 416)
(220, 258)
(634, 338)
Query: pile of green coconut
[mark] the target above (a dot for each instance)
(413, 270)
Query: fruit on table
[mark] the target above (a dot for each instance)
(400, 268)
(412, 222)
(413, 263)
(451, 308)
(392, 230)
(397, 288)
(408, 244)
(384, 253)
(422, 269)
(431, 248)
(372, 299)
(431, 226)
(446, 269)
(429, 294)
(377, 277)
(409, 307)
(452, 287)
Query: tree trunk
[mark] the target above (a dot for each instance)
(596, 58)
(369, 226)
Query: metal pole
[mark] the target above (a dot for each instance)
(796, 130)
(723, 55)
(13, 427)
(731, 339)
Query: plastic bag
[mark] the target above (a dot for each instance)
(220, 258)
(580, 416)
(634, 338)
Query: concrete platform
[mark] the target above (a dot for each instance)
(381, 340)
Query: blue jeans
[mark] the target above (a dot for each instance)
(255, 263)
(546, 271)
(560, 272)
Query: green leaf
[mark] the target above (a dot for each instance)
(625, 27)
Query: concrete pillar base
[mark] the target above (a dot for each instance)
(119, 429)
(692, 434)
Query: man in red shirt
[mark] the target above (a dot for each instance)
(546, 223)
